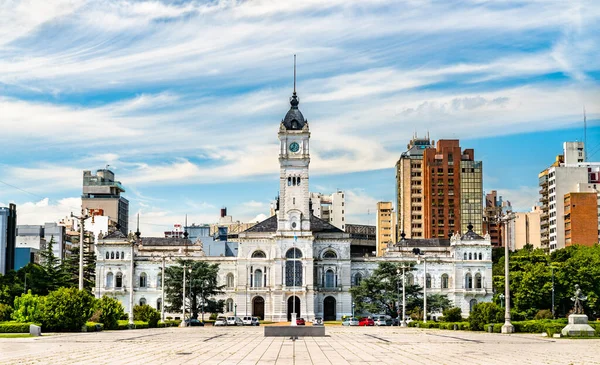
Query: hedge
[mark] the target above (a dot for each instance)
(463, 326)
(169, 323)
(124, 325)
(93, 327)
(15, 327)
(550, 327)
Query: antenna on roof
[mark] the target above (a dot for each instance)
(137, 231)
(185, 232)
(584, 136)
(294, 74)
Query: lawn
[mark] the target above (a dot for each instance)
(15, 335)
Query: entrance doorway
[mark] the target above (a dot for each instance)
(329, 309)
(292, 307)
(258, 307)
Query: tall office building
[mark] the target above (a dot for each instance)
(8, 236)
(570, 173)
(491, 217)
(386, 227)
(452, 190)
(330, 208)
(524, 228)
(102, 196)
(581, 219)
(409, 188)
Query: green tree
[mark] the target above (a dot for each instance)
(204, 286)
(484, 313)
(70, 269)
(452, 314)
(5, 312)
(437, 303)
(147, 314)
(66, 309)
(27, 308)
(381, 292)
(51, 266)
(111, 311)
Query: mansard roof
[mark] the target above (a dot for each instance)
(424, 242)
(470, 235)
(317, 225)
(115, 235)
(162, 241)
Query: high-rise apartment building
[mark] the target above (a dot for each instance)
(452, 190)
(495, 209)
(386, 226)
(102, 196)
(330, 208)
(581, 219)
(8, 236)
(569, 173)
(409, 188)
(525, 227)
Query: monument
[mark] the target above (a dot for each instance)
(578, 321)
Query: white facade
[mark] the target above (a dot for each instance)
(293, 262)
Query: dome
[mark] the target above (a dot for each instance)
(294, 119)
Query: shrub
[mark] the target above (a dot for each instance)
(124, 324)
(111, 311)
(96, 316)
(5, 312)
(66, 309)
(452, 315)
(543, 314)
(26, 308)
(93, 326)
(484, 313)
(147, 314)
(14, 327)
(213, 316)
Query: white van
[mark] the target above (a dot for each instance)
(247, 321)
(382, 320)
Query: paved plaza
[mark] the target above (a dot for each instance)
(343, 345)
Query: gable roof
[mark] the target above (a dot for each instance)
(115, 235)
(317, 225)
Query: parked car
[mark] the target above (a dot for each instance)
(247, 321)
(221, 321)
(255, 321)
(318, 321)
(350, 321)
(234, 321)
(300, 321)
(383, 320)
(366, 322)
(193, 322)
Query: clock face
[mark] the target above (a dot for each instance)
(294, 147)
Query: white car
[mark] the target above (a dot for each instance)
(247, 321)
(234, 321)
(350, 321)
(318, 321)
(383, 320)
(221, 321)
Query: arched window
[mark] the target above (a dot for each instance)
(329, 279)
(107, 255)
(470, 256)
(117, 256)
(229, 305)
(119, 280)
(142, 301)
(410, 280)
(258, 255)
(445, 281)
(230, 280)
(472, 304)
(298, 180)
(258, 278)
(477, 281)
(465, 256)
(428, 281)
(480, 257)
(329, 254)
(357, 279)
(112, 255)
(293, 253)
(159, 304)
(159, 280)
(143, 280)
(122, 254)
(468, 281)
(289, 181)
(109, 280)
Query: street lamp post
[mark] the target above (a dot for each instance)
(552, 268)
(403, 322)
(202, 297)
(419, 253)
(183, 298)
(235, 310)
(353, 305)
(191, 296)
(507, 327)
(501, 296)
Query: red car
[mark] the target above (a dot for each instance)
(366, 322)
(300, 322)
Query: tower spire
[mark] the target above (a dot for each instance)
(294, 74)
(584, 136)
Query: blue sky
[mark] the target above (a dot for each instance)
(183, 99)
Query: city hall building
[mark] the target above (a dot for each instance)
(294, 261)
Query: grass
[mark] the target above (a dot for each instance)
(332, 323)
(15, 335)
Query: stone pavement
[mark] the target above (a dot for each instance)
(343, 345)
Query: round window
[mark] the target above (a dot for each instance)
(293, 224)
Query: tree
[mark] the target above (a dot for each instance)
(381, 292)
(70, 269)
(147, 314)
(204, 286)
(50, 264)
(437, 303)
(452, 314)
(485, 313)
(111, 311)
(27, 308)
(66, 309)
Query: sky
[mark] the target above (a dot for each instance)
(183, 99)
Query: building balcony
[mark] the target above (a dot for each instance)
(543, 181)
(258, 288)
(322, 288)
(482, 291)
(544, 223)
(544, 231)
(544, 198)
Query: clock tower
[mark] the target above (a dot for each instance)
(294, 158)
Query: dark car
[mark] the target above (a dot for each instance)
(366, 322)
(193, 322)
(300, 321)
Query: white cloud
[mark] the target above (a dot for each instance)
(522, 199)
(44, 211)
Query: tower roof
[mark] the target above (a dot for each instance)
(294, 120)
